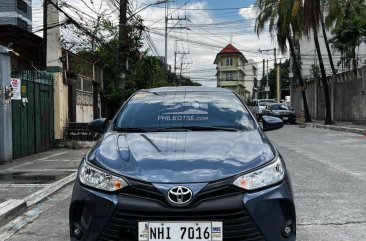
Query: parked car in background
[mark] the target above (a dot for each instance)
(282, 111)
(183, 164)
(257, 107)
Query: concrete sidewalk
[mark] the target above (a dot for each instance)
(29, 180)
(339, 126)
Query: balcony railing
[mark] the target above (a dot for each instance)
(224, 83)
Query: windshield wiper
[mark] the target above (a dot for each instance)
(196, 128)
(130, 129)
(171, 128)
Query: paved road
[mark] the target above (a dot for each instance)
(328, 171)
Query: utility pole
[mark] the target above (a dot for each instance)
(263, 74)
(166, 36)
(55, 66)
(123, 42)
(267, 85)
(175, 59)
(44, 47)
(278, 82)
(166, 31)
(181, 63)
(278, 77)
(6, 135)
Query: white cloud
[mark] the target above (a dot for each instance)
(249, 13)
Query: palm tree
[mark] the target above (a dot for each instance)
(342, 13)
(311, 20)
(283, 19)
(324, 5)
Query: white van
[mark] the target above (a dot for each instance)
(258, 106)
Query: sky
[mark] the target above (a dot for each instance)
(210, 26)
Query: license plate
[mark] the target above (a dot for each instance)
(180, 231)
(285, 118)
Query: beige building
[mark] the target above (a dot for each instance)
(231, 70)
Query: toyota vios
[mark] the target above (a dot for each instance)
(183, 164)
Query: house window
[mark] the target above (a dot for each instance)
(22, 6)
(22, 24)
(229, 76)
(229, 61)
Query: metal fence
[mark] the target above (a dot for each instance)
(32, 115)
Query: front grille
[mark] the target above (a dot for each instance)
(237, 224)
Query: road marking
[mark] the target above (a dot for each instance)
(53, 170)
(29, 162)
(63, 160)
(49, 190)
(13, 185)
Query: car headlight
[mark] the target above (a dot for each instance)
(94, 177)
(266, 176)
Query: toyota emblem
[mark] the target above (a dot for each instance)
(180, 195)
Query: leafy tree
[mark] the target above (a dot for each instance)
(347, 36)
(149, 72)
(338, 11)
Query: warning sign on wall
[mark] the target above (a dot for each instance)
(16, 84)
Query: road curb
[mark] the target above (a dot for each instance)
(13, 207)
(337, 128)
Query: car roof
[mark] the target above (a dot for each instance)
(276, 103)
(186, 88)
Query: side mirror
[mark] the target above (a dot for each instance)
(98, 125)
(271, 123)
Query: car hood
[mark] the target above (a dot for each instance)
(284, 111)
(181, 157)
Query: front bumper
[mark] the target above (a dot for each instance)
(253, 216)
(286, 117)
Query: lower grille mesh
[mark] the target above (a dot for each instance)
(237, 224)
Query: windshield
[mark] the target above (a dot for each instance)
(155, 111)
(279, 107)
(265, 102)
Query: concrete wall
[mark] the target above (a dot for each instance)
(347, 94)
(309, 55)
(84, 106)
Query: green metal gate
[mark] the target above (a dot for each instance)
(33, 125)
